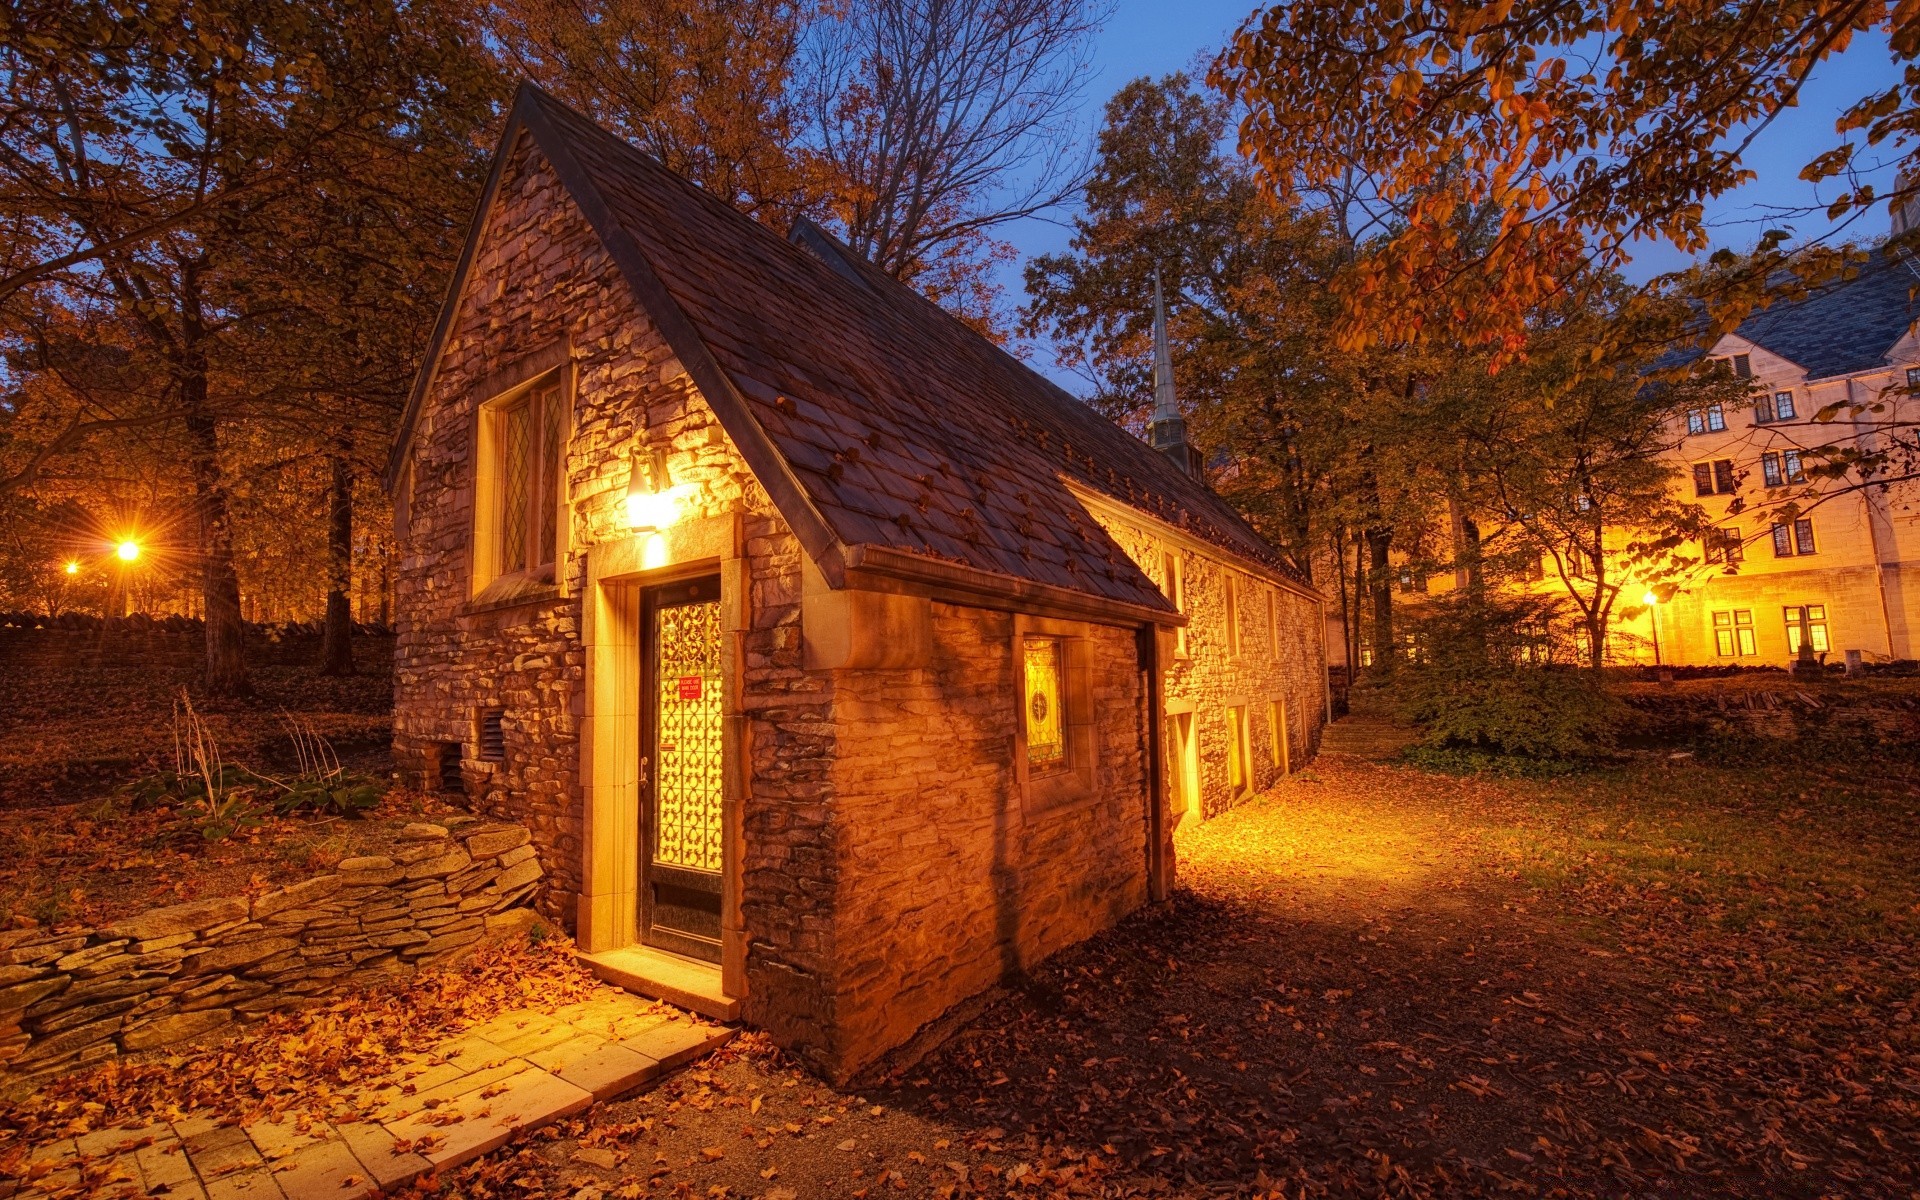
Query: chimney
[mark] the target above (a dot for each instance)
(1167, 432)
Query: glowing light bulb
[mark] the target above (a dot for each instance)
(73, 568)
(1649, 598)
(127, 551)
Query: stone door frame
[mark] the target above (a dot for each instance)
(611, 633)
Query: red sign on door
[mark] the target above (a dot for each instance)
(692, 687)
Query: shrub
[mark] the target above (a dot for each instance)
(1484, 677)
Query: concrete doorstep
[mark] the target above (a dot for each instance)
(467, 1096)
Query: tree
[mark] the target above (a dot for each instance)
(708, 87)
(191, 111)
(941, 121)
(1587, 126)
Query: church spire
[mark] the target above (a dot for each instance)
(1167, 432)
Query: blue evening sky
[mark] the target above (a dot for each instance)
(1146, 38)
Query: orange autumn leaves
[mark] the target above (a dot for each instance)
(1529, 145)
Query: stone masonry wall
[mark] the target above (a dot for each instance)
(1279, 660)
(540, 277)
(72, 997)
(948, 882)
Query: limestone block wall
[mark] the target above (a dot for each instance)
(949, 880)
(70, 997)
(1280, 657)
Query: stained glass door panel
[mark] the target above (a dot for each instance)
(680, 902)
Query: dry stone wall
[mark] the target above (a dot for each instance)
(72, 997)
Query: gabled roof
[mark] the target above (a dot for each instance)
(1849, 325)
(893, 439)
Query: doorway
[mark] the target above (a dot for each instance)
(681, 738)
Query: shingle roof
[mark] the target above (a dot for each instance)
(895, 425)
(1848, 325)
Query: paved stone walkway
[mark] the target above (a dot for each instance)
(454, 1103)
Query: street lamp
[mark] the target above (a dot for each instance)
(127, 551)
(72, 568)
(1653, 614)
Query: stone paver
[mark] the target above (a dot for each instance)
(465, 1097)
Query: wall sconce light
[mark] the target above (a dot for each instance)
(653, 499)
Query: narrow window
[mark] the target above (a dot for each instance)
(1782, 542)
(1723, 476)
(1742, 366)
(1795, 473)
(1716, 420)
(1176, 586)
(1043, 713)
(1277, 733)
(1913, 377)
(1273, 622)
(1696, 422)
(1814, 617)
(1703, 479)
(1233, 616)
(1783, 409)
(1763, 410)
(1770, 469)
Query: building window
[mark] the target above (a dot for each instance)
(1913, 377)
(1723, 545)
(1777, 407)
(1794, 539)
(1714, 478)
(1237, 763)
(1742, 366)
(1232, 615)
(1273, 623)
(1815, 618)
(1782, 467)
(1412, 582)
(1706, 420)
(518, 514)
(1045, 710)
(1733, 633)
(1277, 733)
(1174, 580)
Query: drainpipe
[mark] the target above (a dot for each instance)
(1873, 541)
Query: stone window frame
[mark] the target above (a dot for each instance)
(487, 586)
(1077, 783)
(1279, 735)
(1239, 746)
(1175, 583)
(1230, 612)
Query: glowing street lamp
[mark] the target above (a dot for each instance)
(127, 551)
(72, 568)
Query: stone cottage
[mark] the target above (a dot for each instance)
(839, 663)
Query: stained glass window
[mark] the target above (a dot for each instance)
(1043, 711)
(531, 437)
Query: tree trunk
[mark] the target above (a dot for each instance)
(336, 642)
(1380, 584)
(226, 673)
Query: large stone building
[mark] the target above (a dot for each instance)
(840, 664)
(1833, 375)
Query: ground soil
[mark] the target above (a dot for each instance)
(87, 714)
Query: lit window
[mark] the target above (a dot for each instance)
(1716, 420)
(1237, 749)
(1791, 461)
(1046, 737)
(1733, 633)
(1770, 469)
(1273, 622)
(1913, 377)
(1814, 618)
(1277, 733)
(1783, 406)
(1696, 423)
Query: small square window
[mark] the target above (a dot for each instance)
(1044, 709)
(1733, 633)
(1814, 619)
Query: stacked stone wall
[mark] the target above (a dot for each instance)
(74, 996)
(949, 879)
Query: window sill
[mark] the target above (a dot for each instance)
(512, 591)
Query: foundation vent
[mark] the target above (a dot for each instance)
(493, 739)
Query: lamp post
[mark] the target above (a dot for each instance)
(1653, 614)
